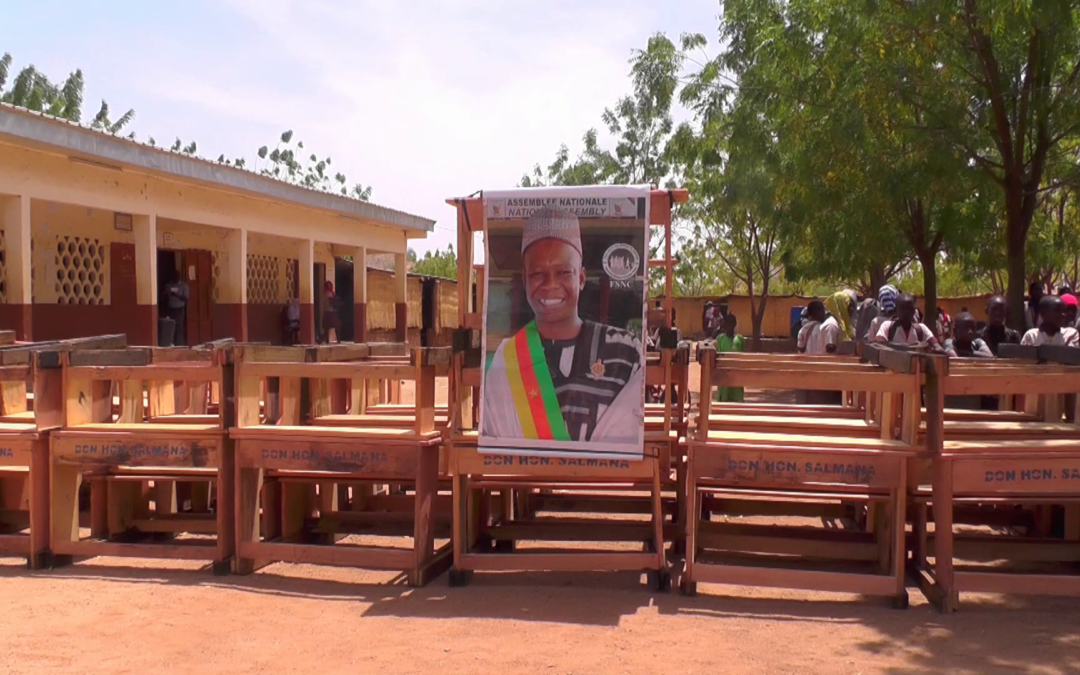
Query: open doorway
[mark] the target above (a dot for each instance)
(168, 272)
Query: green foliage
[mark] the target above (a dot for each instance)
(435, 264)
(310, 171)
(32, 90)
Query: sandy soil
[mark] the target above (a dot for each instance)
(119, 616)
(131, 616)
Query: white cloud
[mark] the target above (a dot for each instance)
(422, 100)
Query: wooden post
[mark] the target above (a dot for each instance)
(401, 306)
(305, 280)
(15, 222)
(234, 293)
(289, 401)
(360, 294)
(145, 231)
(425, 393)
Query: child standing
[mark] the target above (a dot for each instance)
(728, 341)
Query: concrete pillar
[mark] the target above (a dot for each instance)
(401, 307)
(17, 313)
(359, 255)
(305, 274)
(146, 290)
(234, 300)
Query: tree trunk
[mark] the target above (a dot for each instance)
(1017, 287)
(757, 315)
(929, 265)
(877, 279)
(1016, 253)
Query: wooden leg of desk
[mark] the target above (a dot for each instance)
(249, 483)
(39, 505)
(1072, 522)
(457, 528)
(427, 477)
(693, 517)
(679, 546)
(297, 505)
(879, 519)
(898, 528)
(99, 509)
(225, 508)
(658, 527)
(943, 535)
(920, 538)
(199, 495)
(64, 504)
(124, 499)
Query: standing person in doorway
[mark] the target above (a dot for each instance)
(996, 332)
(728, 341)
(331, 323)
(177, 295)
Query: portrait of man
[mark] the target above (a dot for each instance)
(561, 377)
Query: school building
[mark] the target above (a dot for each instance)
(91, 225)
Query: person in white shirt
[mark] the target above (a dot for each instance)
(904, 329)
(838, 326)
(811, 340)
(1050, 330)
(886, 308)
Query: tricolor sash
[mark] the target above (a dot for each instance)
(531, 387)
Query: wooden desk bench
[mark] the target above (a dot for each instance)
(183, 468)
(1021, 474)
(786, 465)
(299, 473)
(31, 406)
(501, 500)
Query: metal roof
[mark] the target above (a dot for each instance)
(76, 140)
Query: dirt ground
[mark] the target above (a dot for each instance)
(111, 615)
(131, 616)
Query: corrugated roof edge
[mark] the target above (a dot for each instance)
(70, 137)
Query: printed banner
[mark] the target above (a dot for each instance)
(566, 276)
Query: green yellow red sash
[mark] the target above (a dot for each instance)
(531, 387)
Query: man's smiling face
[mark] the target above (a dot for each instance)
(554, 277)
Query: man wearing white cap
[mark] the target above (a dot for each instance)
(561, 378)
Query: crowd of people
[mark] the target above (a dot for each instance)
(894, 318)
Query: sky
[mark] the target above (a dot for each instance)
(423, 100)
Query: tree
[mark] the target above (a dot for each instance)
(435, 264)
(641, 126)
(32, 90)
(312, 173)
(997, 80)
